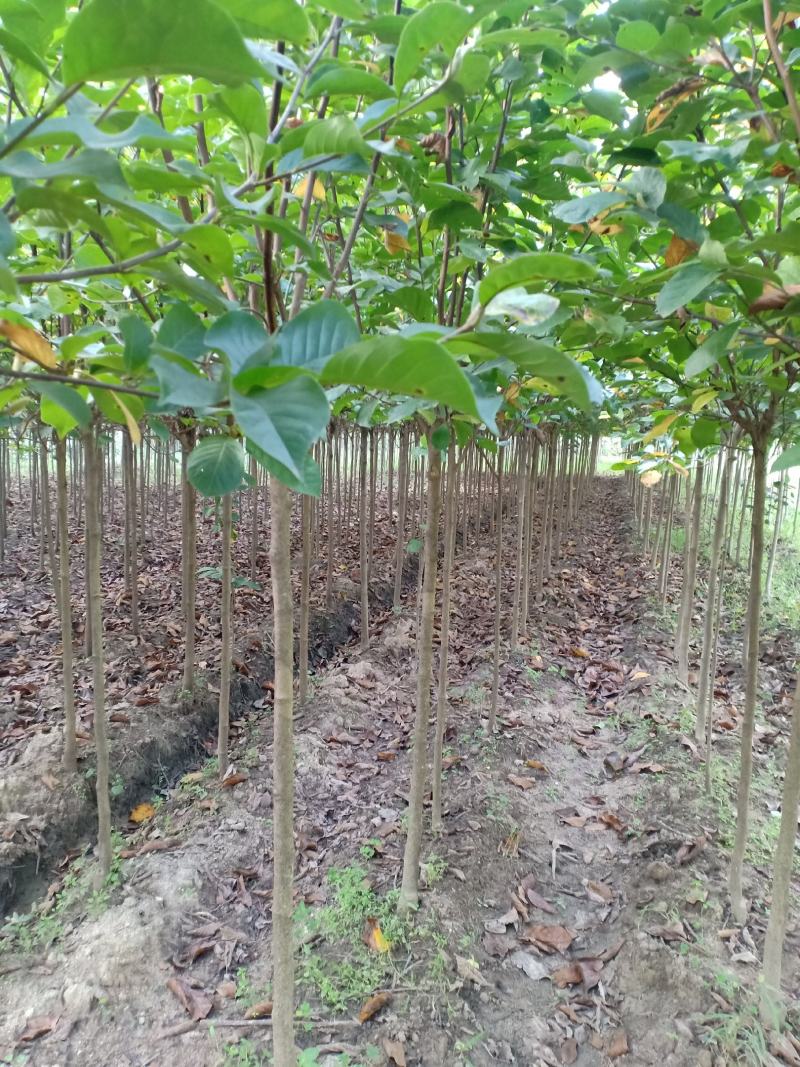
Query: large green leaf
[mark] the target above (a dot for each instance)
(63, 407)
(687, 283)
(314, 335)
(273, 20)
(182, 387)
(349, 81)
(409, 366)
(241, 337)
(440, 24)
(536, 360)
(284, 421)
(586, 207)
(338, 136)
(710, 351)
(216, 466)
(182, 331)
(110, 39)
(787, 459)
(308, 481)
(535, 266)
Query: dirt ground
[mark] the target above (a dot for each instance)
(574, 908)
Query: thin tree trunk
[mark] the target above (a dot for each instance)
(705, 694)
(444, 643)
(363, 540)
(402, 500)
(305, 582)
(226, 644)
(776, 533)
(409, 890)
(282, 780)
(95, 625)
(498, 594)
(738, 904)
(69, 756)
(689, 578)
(130, 524)
(189, 555)
(783, 864)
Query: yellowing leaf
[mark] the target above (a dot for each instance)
(133, 426)
(395, 242)
(141, 813)
(374, 937)
(29, 343)
(318, 192)
(667, 101)
(660, 427)
(785, 18)
(604, 229)
(650, 478)
(678, 250)
(703, 398)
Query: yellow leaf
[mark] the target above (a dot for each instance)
(133, 428)
(667, 101)
(141, 813)
(650, 478)
(318, 193)
(714, 311)
(29, 343)
(191, 777)
(602, 228)
(395, 242)
(684, 473)
(660, 427)
(785, 18)
(702, 399)
(374, 937)
(678, 250)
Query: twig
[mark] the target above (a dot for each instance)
(775, 49)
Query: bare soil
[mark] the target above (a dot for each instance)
(574, 909)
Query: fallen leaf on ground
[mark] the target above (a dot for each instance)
(569, 974)
(617, 1044)
(590, 972)
(688, 850)
(612, 821)
(192, 952)
(469, 971)
(523, 783)
(498, 945)
(234, 779)
(569, 1051)
(141, 813)
(498, 926)
(669, 932)
(374, 937)
(535, 765)
(262, 1010)
(551, 938)
(196, 1003)
(535, 968)
(38, 1026)
(599, 892)
(161, 844)
(373, 1006)
(396, 1051)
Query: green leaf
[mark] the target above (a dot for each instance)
(440, 24)
(138, 341)
(531, 309)
(216, 466)
(317, 333)
(705, 433)
(244, 104)
(409, 366)
(535, 266)
(183, 332)
(524, 38)
(115, 39)
(213, 244)
(586, 207)
(349, 81)
(63, 407)
(17, 48)
(284, 421)
(710, 351)
(684, 286)
(787, 459)
(538, 360)
(271, 19)
(338, 136)
(637, 36)
(182, 387)
(242, 338)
